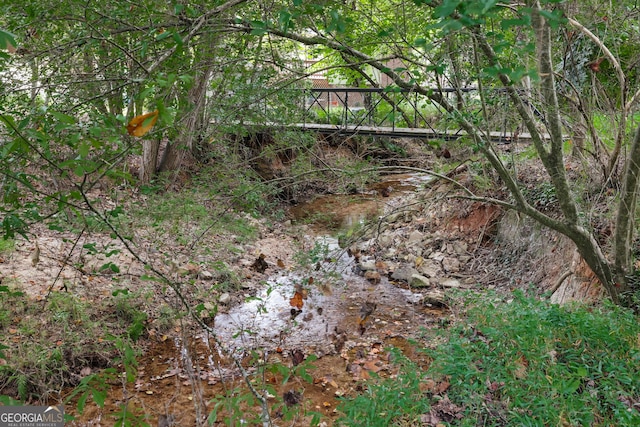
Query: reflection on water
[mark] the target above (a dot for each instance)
(268, 321)
(340, 211)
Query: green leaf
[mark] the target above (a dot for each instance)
(178, 39)
(163, 35)
(63, 117)
(488, 4)
(259, 28)
(83, 150)
(81, 402)
(554, 18)
(284, 20)
(79, 170)
(99, 397)
(7, 39)
(420, 42)
(525, 20)
(446, 8)
(144, 46)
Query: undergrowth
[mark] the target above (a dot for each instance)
(523, 362)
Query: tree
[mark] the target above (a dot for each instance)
(88, 69)
(512, 46)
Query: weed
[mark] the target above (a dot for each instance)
(128, 310)
(527, 362)
(543, 196)
(6, 246)
(319, 252)
(240, 407)
(388, 401)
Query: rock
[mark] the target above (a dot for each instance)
(224, 298)
(430, 268)
(385, 240)
(464, 259)
(390, 253)
(372, 276)
(419, 281)
(367, 265)
(434, 298)
(415, 238)
(404, 273)
(437, 256)
(460, 247)
(450, 264)
(205, 275)
(450, 283)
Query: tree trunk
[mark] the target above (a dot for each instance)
(177, 152)
(625, 221)
(149, 164)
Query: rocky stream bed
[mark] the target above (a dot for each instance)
(387, 285)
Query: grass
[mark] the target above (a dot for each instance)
(6, 246)
(389, 401)
(45, 346)
(522, 362)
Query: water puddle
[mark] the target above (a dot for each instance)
(334, 297)
(333, 212)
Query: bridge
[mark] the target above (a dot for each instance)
(395, 113)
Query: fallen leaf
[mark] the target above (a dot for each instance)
(520, 370)
(428, 385)
(140, 125)
(280, 263)
(442, 387)
(260, 265)
(297, 357)
(372, 365)
(297, 300)
(325, 288)
(292, 397)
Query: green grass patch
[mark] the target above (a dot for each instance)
(528, 362)
(6, 246)
(388, 402)
(522, 362)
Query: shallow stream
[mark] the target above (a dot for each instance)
(328, 310)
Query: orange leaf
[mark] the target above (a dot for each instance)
(296, 301)
(372, 365)
(140, 125)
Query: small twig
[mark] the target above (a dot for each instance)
(64, 265)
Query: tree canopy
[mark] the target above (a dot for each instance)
(75, 74)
